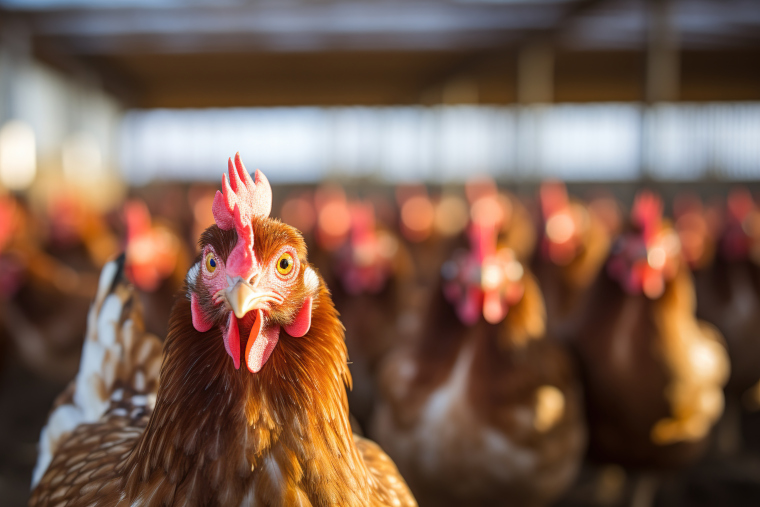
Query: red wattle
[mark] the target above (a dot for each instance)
(469, 309)
(231, 336)
(494, 307)
(261, 343)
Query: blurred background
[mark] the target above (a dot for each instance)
(117, 118)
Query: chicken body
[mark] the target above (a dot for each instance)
(728, 296)
(485, 414)
(210, 433)
(654, 373)
(565, 287)
(724, 259)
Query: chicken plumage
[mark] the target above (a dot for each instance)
(482, 410)
(575, 240)
(275, 432)
(725, 260)
(654, 373)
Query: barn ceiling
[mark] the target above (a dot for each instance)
(171, 53)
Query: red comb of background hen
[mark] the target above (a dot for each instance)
(740, 204)
(362, 221)
(137, 217)
(647, 213)
(241, 199)
(480, 186)
(7, 220)
(553, 195)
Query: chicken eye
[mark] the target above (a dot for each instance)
(285, 264)
(210, 262)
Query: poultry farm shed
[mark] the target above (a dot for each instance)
(481, 252)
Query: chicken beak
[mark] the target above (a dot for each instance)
(241, 298)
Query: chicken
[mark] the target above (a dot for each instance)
(78, 233)
(200, 198)
(374, 272)
(156, 263)
(575, 240)
(10, 269)
(331, 229)
(431, 225)
(720, 243)
(45, 300)
(653, 373)
(517, 227)
(298, 210)
(727, 277)
(208, 432)
(482, 410)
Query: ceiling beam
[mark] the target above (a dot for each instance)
(288, 26)
(539, 37)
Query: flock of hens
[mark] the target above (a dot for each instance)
(462, 349)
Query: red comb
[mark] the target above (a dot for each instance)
(647, 213)
(362, 221)
(240, 200)
(740, 204)
(137, 217)
(480, 186)
(7, 220)
(553, 196)
(687, 203)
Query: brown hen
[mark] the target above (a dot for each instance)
(210, 433)
(482, 410)
(575, 240)
(654, 373)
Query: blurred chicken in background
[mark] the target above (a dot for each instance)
(331, 228)
(480, 409)
(156, 262)
(425, 233)
(575, 240)
(517, 228)
(653, 372)
(721, 243)
(427, 227)
(200, 198)
(48, 275)
(374, 274)
(10, 268)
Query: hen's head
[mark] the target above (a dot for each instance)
(252, 275)
(741, 227)
(648, 255)
(365, 262)
(698, 228)
(566, 224)
(153, 250)
(485, 279)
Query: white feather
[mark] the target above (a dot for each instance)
(108, 341)
(62, 420)
(310, 279)
(192, 276)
